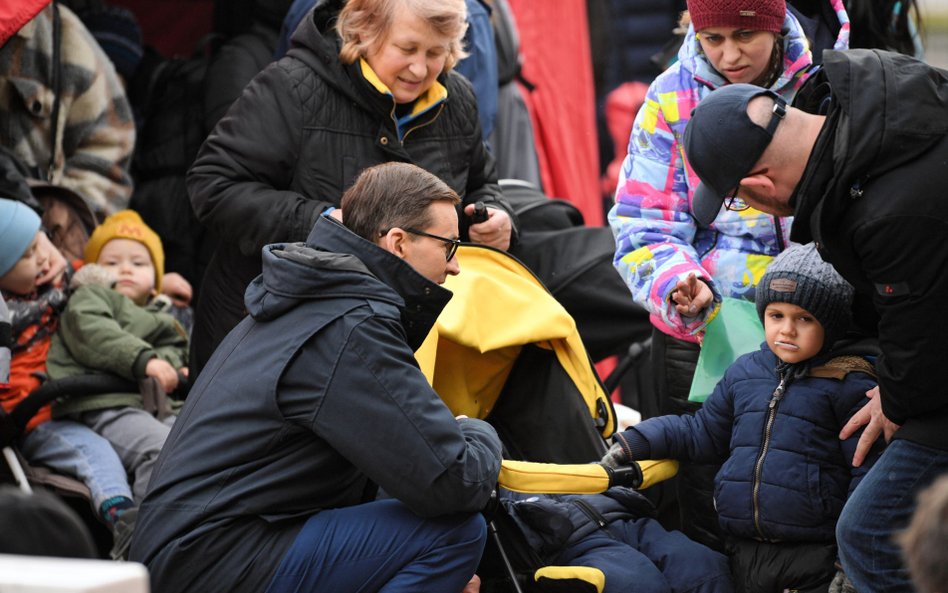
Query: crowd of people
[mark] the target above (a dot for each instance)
(284, 431)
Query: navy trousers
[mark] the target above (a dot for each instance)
(640, 556)
(381, 546)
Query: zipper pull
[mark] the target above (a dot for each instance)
(778, 392)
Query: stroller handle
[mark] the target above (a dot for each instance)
(588, 478)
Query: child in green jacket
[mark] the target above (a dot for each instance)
(113, 326)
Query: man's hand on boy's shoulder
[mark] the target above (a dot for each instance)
(873, 418)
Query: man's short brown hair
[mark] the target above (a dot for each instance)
(392, 195)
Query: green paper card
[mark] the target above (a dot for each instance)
(736, 330)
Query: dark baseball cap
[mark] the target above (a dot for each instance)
(723, 144)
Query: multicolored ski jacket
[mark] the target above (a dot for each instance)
(658, 241)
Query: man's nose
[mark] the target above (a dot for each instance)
(454, 266)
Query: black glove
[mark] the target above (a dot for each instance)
(616, 457)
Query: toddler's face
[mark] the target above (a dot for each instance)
(21, 279)
(791, 332)
(134, 271)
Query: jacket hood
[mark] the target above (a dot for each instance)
(897, 104)
(335, 263)
(797, 58)
(316, 44)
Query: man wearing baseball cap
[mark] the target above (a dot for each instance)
(861, 162)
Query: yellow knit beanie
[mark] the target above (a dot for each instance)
(127, 224)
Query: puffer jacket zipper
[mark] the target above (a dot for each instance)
(421, 125)
(784, 374)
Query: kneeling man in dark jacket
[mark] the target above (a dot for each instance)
(268, 480)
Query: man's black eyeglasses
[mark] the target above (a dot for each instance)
(451, 245)
(735, 203)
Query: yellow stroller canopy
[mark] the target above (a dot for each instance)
(499, 310)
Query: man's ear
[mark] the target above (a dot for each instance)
(759, 184)
(394, 242)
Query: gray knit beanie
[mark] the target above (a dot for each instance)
(799, 276)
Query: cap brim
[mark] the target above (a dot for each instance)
(706, 204)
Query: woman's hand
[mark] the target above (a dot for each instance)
(691, 296)
(495, 231)
(175, 286)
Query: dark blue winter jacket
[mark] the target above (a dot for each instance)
(785, 473)
(308, 404)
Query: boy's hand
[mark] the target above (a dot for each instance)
(166, 374)
(872, 417)
(55, 261)
(615, 457)
(691, 296)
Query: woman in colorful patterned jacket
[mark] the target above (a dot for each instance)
(678, 271)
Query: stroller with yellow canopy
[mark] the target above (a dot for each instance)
(505, 351)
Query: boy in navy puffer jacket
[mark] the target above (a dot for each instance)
(774, 421)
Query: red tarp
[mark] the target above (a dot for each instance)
(14, 15)
(554, 41)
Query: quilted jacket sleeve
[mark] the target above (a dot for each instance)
(651, 218)
(247, 162)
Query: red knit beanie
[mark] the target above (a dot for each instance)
(754, 15)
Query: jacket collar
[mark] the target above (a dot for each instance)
(797, 59)
(423, 300)
(424, 109)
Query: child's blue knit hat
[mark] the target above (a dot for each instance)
(18, 226)
(799, 276)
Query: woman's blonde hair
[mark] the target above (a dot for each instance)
(363, 24)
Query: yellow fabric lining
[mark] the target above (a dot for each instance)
(499, 306)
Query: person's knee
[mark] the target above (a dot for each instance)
(466, 529)
(847, 528)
